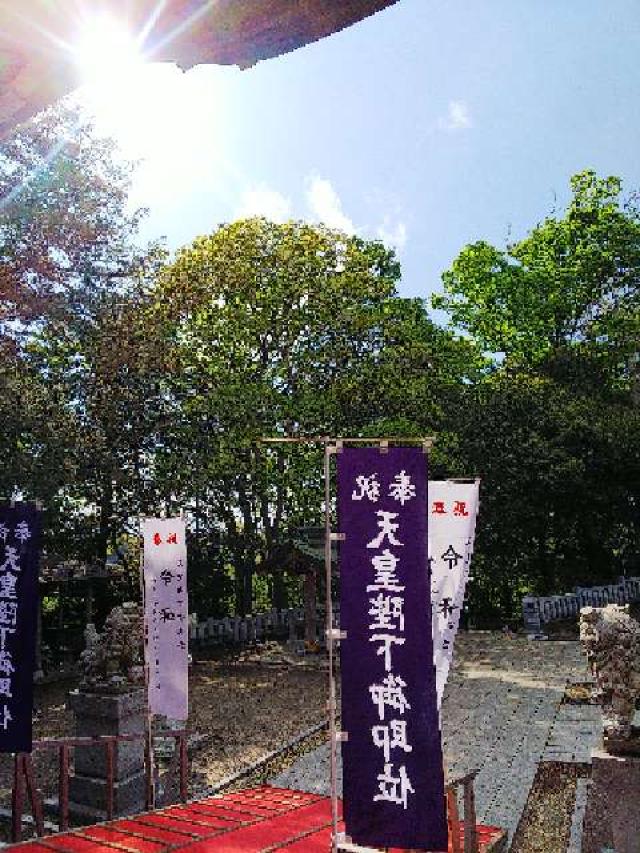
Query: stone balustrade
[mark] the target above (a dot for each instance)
(285, 623)
(541, 610)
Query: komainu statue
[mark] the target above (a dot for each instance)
(113, 660)
(611, 640)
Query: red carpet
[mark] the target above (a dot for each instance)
(260, 820)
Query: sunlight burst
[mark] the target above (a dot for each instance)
(106, 52)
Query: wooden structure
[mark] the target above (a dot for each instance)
(37, 65)
(77, 579)
(303, 554)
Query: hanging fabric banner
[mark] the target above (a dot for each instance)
(393, 780)
(453, 508)
(20, 532)
(166, 615)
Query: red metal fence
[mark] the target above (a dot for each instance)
(25, 783)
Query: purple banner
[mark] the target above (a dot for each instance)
(393, 779)
(20, 528)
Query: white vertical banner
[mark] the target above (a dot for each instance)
(453, 508)
(166, 616)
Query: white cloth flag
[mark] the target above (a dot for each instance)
(166, 616)
(453, 508)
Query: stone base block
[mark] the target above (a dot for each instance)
(128, 759)
(612, 814)
(88, 796)
(99, 714)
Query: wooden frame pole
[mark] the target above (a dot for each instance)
(332, 703)
(150, 780)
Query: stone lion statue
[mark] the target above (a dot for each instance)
(611, 640)
(114, 659)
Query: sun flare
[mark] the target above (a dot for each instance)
(155, 112)
(106, 52)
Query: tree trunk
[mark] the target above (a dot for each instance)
(310, 605)
(106, 519)
(279, 594)
(244, 586)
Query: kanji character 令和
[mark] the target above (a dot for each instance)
(452, 557)
(445, 607)
(167, 615)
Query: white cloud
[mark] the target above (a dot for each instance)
(262, 201)
(325, 205)
(457, 118)
(392, 234)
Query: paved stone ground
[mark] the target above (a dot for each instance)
(502, 714)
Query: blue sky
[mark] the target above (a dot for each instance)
(431, 124)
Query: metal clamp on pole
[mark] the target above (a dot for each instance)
(338, 537)
(341, 737)
(335, 634)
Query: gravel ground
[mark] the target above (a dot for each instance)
(545, 826)
(246, 711)
(239, 711)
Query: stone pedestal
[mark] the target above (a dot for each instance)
(100, 714)
(612, 815)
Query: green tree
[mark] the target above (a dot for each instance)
(573, 282)
(553, 428)
(560, 489)
(286, 330)
(66, 234)
(79, 376)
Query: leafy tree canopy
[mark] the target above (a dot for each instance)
(288, 330)
(573, 283)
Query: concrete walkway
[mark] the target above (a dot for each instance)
(502, 714)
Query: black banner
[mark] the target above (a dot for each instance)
(20, 531)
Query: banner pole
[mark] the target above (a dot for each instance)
(333, 763)
(151, 793)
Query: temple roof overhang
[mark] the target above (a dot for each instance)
(36, 66)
